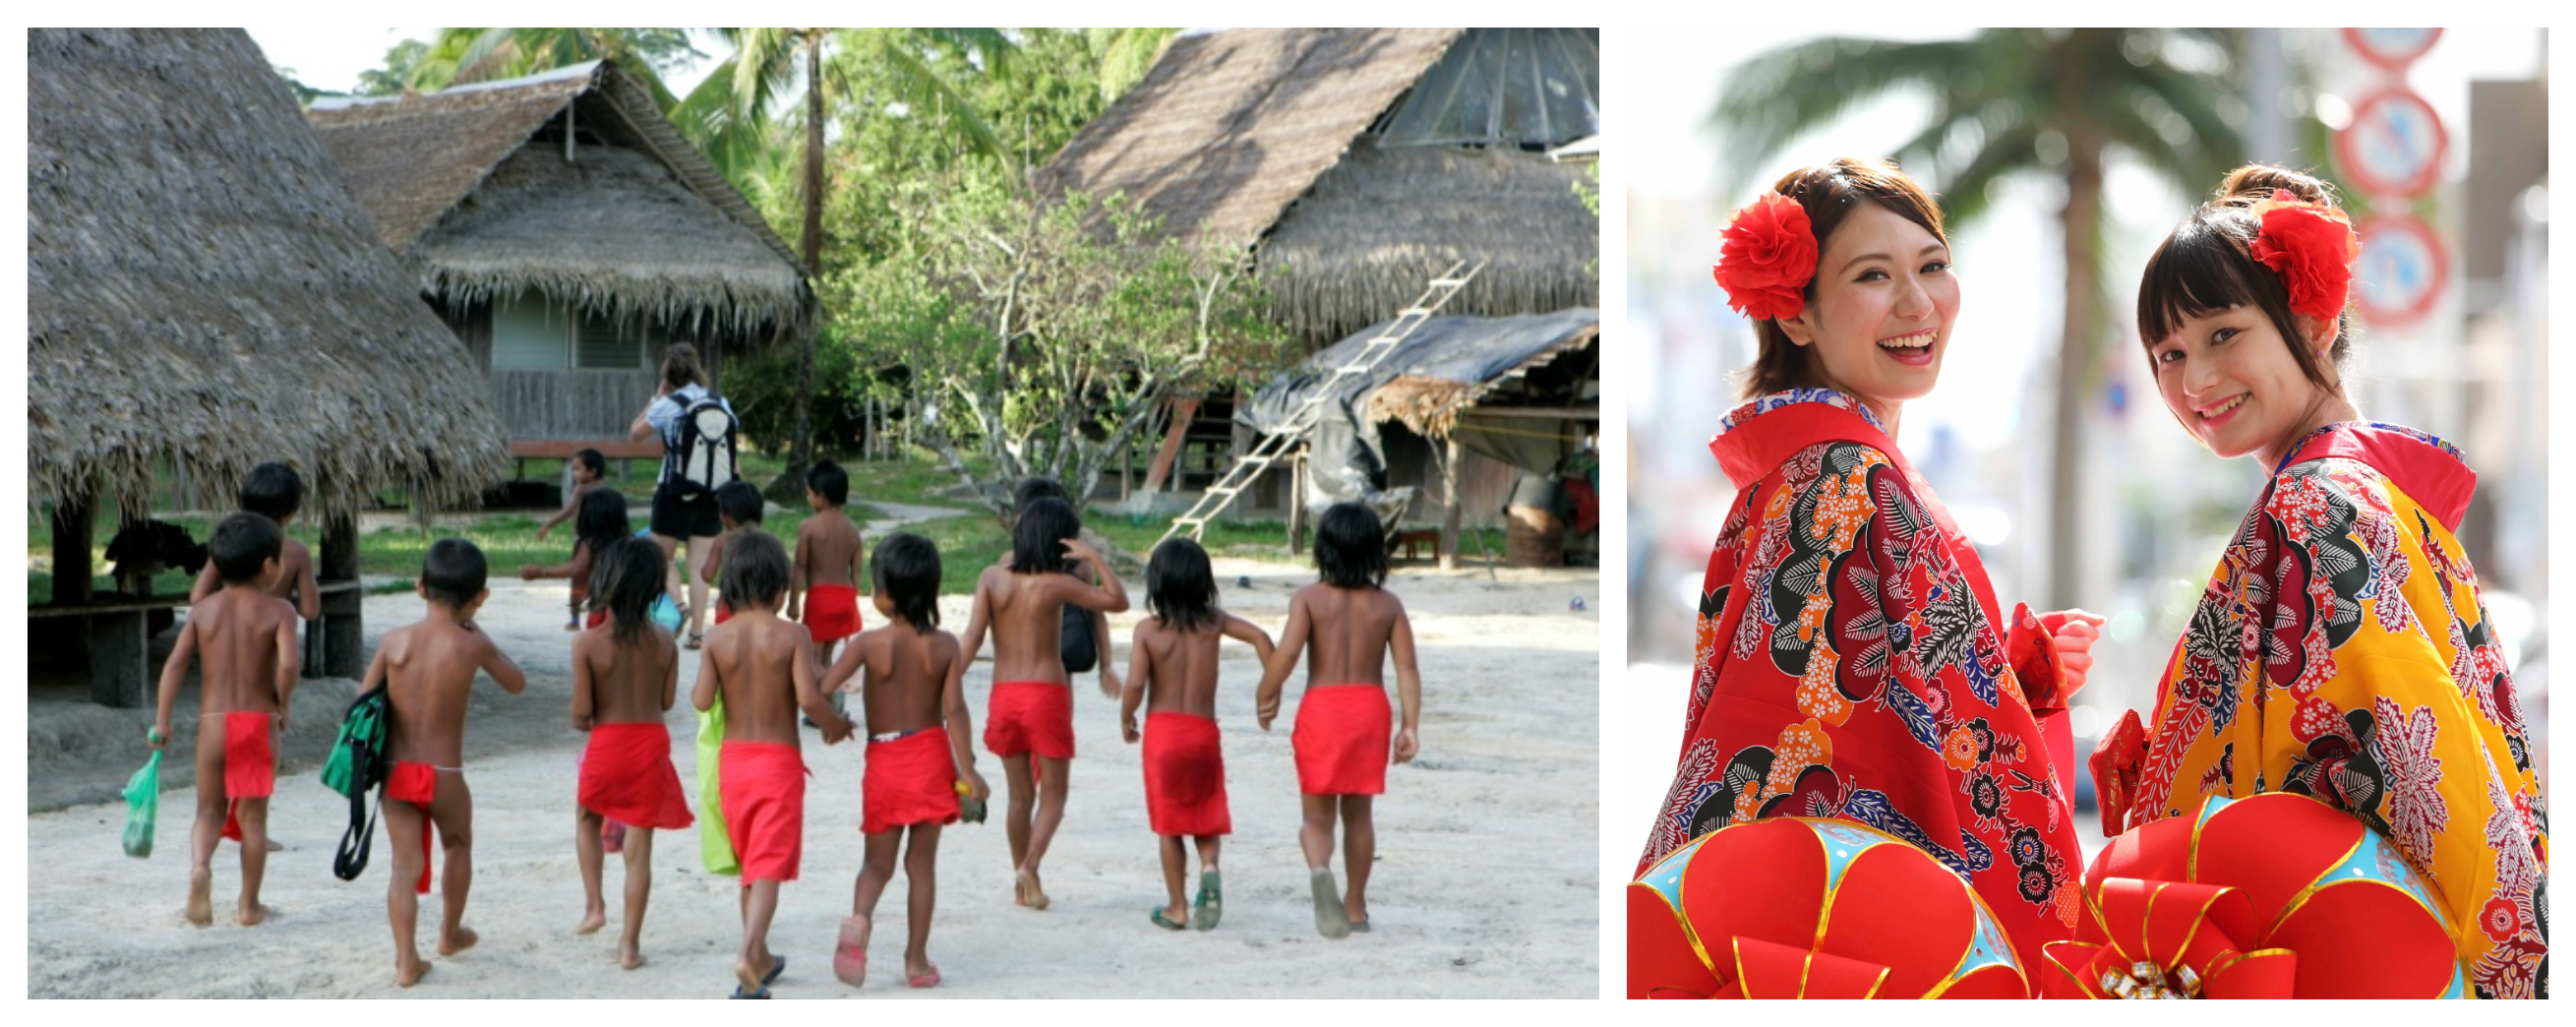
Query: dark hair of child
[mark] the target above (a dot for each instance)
(273, 490)
(1037, 542)
(739, 502)
(626, 579)
(1350, 547)
(829, 481)
(601, 520)
(593, 461)
(452, 572)
(1037, 487)
(755, 571)
(906, 569)
(242, 544)
(1179, 586)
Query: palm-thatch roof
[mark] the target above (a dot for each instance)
(202, 291)
(477, 189)
(1267, 138)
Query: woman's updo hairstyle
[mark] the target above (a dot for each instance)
(2208, 264)
(681, 369)
(1829, 193)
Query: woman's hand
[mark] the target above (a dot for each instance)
(2074, 632)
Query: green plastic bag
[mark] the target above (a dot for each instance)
(715, 845)
(142, 807)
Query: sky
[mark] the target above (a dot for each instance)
(331, 57)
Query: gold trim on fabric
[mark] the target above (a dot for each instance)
(1688, 935)
(2089, 990)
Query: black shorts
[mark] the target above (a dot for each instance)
(674, 517)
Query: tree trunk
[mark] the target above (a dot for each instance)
(2077, 355)
(801, 453)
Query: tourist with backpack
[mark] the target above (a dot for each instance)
(697, 430)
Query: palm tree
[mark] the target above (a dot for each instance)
(456, 56)
(2005, 101)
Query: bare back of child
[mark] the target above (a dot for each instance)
(1030, 713)
(428, 671)
(624, 680)
(242, 638)
(824, 594)
(1172, 672)
(275, 491)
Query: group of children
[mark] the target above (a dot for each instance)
(761, 669)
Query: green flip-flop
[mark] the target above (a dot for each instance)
(1165, 922)
(1210, 904)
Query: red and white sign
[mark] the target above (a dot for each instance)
(2401, 272)
(2392, 49)
(2394, 146)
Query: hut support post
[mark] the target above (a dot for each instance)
(343, 630)
(1457, 506)
(72, 577)
(1297, 503)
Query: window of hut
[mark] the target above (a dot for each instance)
(529, 334)
(607, 344)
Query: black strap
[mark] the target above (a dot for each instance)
(360, 839)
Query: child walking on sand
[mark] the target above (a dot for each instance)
(602, 523)
(762, 668)
(1171, 670)
(824, 588)
(918, 758)
(243, 638)
(1352, 622)
(623, 680)
(1031, 711)
(588, 468)
(740, 507)
(273, 490)
(428, 672)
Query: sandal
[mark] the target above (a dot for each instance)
(1165, 922)
(696, 638)
(928, 980)
(1210, 904)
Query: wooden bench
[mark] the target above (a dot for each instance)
(120, 647)
(524, 450)
(1412, 541)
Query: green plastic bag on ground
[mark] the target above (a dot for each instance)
(715, 846)
(142, 807)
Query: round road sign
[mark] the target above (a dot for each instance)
(2394, 145)
(2391, 48)
(2401, 272)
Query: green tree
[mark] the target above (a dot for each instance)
(2058, 101)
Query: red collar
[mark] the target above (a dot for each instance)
(2427, 469)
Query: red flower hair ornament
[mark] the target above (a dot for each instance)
(2311, 246)
(1768, 257)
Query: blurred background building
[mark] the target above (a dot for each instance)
(2452, 341)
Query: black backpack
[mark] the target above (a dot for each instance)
(357, 765)
(1080, 651)
(704, 457)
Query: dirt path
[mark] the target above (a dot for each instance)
(1486, 882)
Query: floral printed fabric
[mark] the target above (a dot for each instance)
(2341, 651)
(1851, 664)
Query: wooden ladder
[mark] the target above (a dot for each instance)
(1275, 446)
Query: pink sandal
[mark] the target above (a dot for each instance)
(850, 958)
(928, 980)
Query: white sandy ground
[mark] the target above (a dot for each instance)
(1486, 883)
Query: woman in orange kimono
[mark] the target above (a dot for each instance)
(2340, 650)
(1852, 662)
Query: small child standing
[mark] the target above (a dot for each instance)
(588, 468)
(763, 670)
(824, 588)
(243, 637)
(428, 672)
(602, 523)
(740, 507)
(1351, 622)
(1171, 671)
(919, 755)
(1031, 709)
(275, 491)
(623, 680)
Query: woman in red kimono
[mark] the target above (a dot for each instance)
(2340, 650)
(1851, 659)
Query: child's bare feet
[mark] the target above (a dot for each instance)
(591, 921)
(451, 944)
(1025, 891)
(274, 846)
(406, 976)
(201, 902)
(629, 956)
(253, 914)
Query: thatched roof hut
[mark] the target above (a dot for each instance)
(202, 291)
(571, 184)
(1356, 163)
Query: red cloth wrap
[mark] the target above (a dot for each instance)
(596, 618)
(1185, 776)
(1030, 716)
(417, 784)
(723, 613)
(626, 776)
(911, 780)
(250, 764)
(831, 612)
(1341, 740)
(763, 797)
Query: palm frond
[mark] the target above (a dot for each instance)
(1771, 99)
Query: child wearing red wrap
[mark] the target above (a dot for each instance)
(823, 592)
(1346, 624)
(623, 680)
(599, 522)
(427, 671)
(243, 638)
(763, 668)
(1022, 604)
(1171, 670)
(910, 677)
